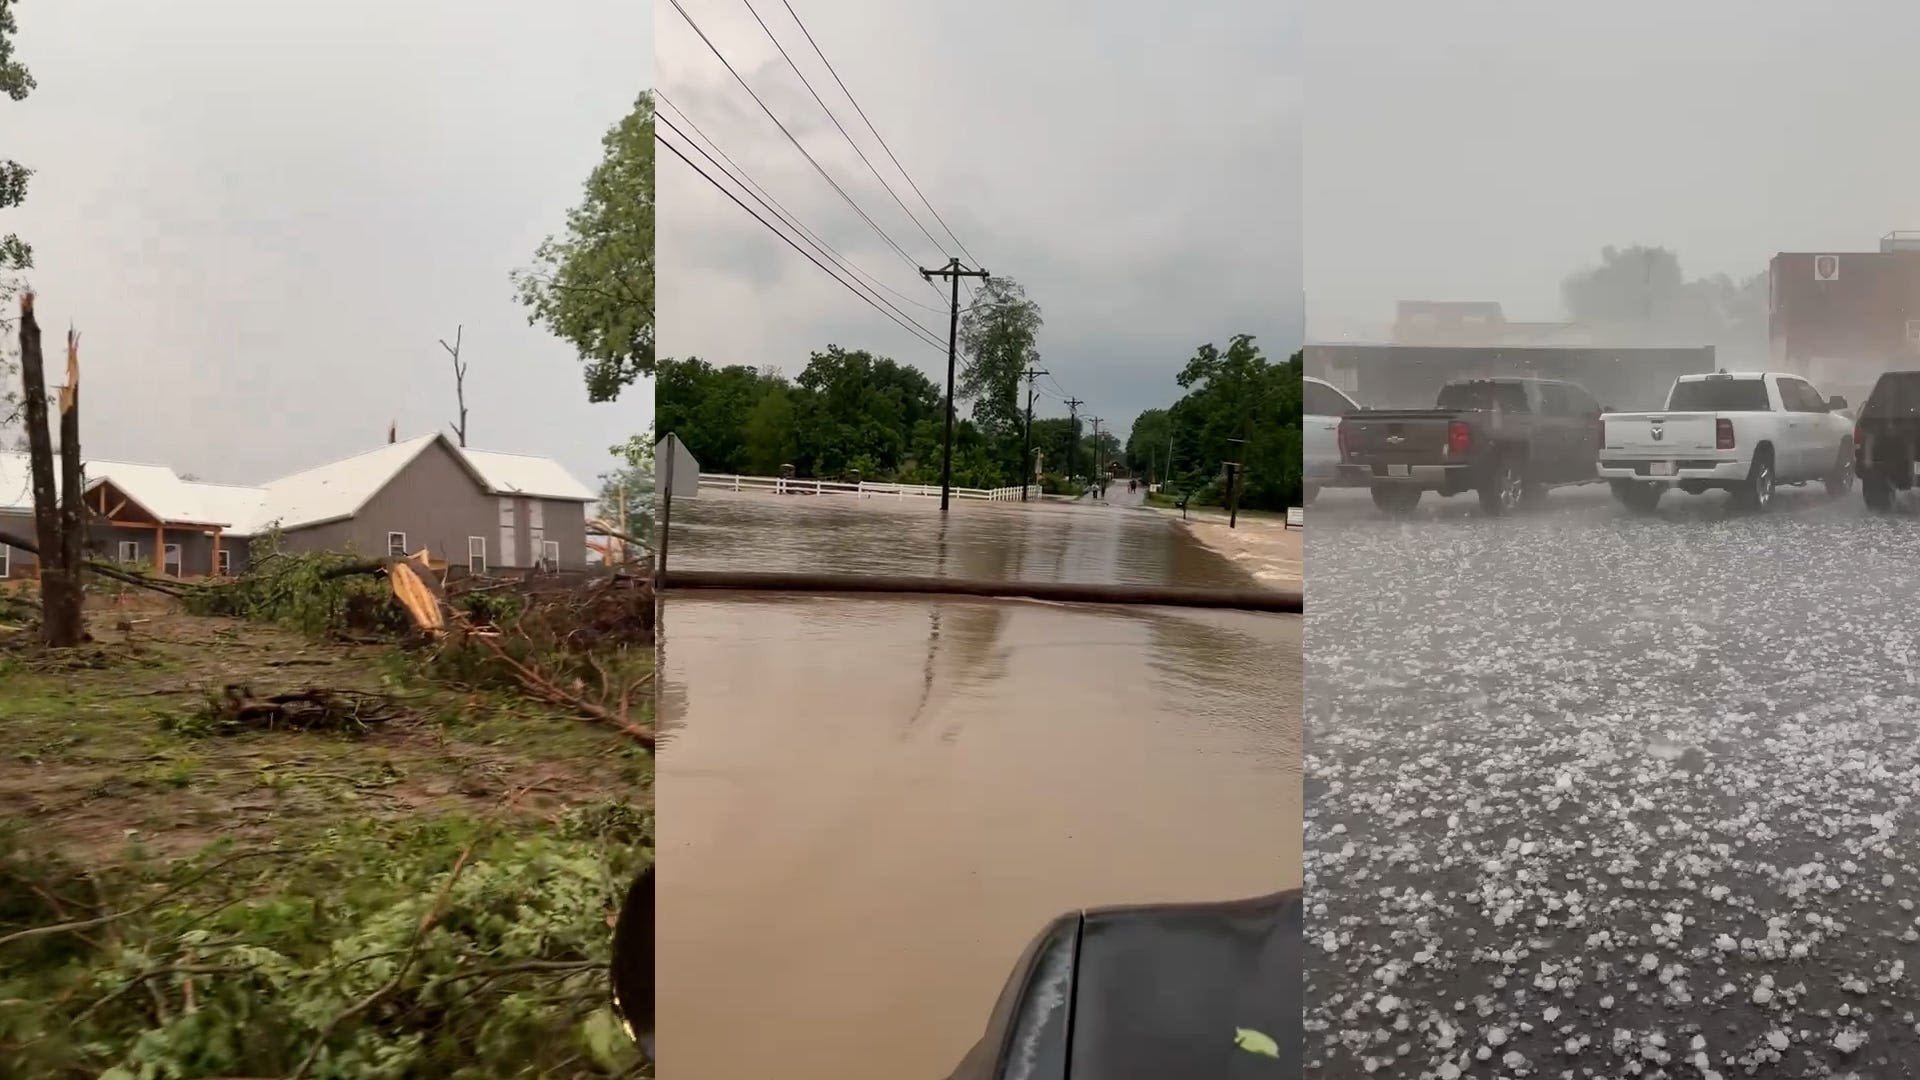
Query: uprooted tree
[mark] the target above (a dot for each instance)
(59, 512)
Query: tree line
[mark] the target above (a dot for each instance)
(1238, 406)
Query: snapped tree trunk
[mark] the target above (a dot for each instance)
(60, 596)
(73, 506)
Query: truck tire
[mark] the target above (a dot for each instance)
(1396, 501)
(1840, 480)
(1877, 491)
(1504, 488)
(1638, 497)
(1756, 492)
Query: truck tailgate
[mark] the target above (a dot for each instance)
(1658, 434)
(1399, 437)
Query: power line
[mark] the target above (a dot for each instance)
(740, 175)
(790, 137)
(843, 131)
(876, 132)
(835, 257)
(911, 327)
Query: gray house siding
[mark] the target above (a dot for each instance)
(438, 504)
(566, 524)
(20, 564)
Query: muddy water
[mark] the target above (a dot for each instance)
(870, 805)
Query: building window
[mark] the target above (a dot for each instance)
(129, 551)
(477, 554)
(396, 545)
(223, 562)
(170, 560)
(550, 553)
(6, 561)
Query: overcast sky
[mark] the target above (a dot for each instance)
(262, 216)
(1483, 149)
(1135, 165)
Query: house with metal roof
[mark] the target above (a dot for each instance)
(479, 509)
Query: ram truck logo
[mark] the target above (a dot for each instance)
(1659, 433)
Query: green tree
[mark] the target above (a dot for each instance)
(999, 338)
(626, 491)
(1147, 443)
(770, 435)
(856, 405)
(593, 286)
(16, 255)
(1238, 406)
(708, 407)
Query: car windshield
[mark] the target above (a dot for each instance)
(1896, 394)
(1483, 397)
(1719, 395)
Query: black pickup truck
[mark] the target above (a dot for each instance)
(1506, 439)
(1886, 439)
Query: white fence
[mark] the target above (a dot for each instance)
(774, 485)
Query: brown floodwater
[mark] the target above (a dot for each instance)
(870, 805)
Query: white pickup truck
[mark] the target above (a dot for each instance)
(1742, 432)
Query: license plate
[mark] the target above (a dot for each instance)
(1397, 470)
(1660, 468)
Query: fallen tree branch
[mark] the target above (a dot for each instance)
(108, 570)
(78, 925)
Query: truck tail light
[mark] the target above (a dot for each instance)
(1859, 439)
(1459, 437)
(1723, 434)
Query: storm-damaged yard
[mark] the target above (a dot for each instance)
(305, 838)
(1596, 796)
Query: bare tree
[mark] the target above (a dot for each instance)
(58, 516)
(459, 381)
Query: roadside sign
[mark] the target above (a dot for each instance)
(1826, 268)
(1296, 518)
(678, 472)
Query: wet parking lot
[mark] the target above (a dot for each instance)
(1592, 794)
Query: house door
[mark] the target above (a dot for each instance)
(536, 531)
(509, 549)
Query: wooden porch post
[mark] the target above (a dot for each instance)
(160, 550)
(213, 568)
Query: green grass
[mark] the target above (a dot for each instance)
(346, 842)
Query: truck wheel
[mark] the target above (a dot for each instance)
(1877, 490)
(1840, 480)
(1637, 497)
(1397, 501)
(1756, 493)
(1504, 488)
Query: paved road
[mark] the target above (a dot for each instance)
(1590, 795)
(876, 802)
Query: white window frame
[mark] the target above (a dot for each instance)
(6, 561)
(397, 551)
(223, 562)
(550, 553)
(175, 556)
(476, 549)
(129, 551)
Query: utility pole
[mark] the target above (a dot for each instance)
(1026, 440)
(953, 272)
(1073, 432)
(1099, 466)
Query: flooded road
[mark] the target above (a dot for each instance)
(877, 802)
